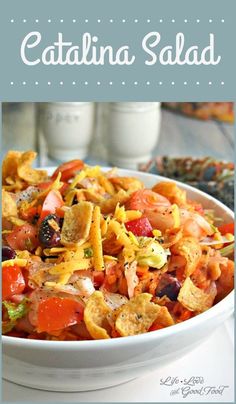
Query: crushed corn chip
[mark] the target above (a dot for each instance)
(109, 205)
(76, 225)
(95, 313)
(9, 207)
(26, 172)
(189, 248)
(195, 299)
(9, 166)
(127, 183)
(137, 316)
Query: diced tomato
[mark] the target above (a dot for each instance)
(140, 227)
(12, 281)
(57, 313)
(68, 169)
(145, 199)
(52, 201)
(23, 237)
(226, 228)
(31, 213)
(98, 278)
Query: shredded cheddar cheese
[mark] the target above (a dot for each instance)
(96, 240)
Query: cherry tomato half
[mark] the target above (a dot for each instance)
(52, 201)
(23, 237)
(68, 169)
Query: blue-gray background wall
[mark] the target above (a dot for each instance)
(117, 23)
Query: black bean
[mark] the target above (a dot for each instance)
(169, 287)
(8, 253)
(48, 235)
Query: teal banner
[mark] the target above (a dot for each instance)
(107, 50)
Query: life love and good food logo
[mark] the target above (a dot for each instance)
(192, 387)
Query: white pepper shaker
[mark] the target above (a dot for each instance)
(67, 128)
(133, 132)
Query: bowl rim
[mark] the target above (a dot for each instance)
(225, 305)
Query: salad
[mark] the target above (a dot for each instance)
(88, 254)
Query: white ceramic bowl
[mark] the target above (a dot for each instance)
(90, 365)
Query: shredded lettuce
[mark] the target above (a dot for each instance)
(15, 311)
(151, 253)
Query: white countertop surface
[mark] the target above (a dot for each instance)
(213, 361)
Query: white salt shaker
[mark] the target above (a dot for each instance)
(132, 132)
(67, 128)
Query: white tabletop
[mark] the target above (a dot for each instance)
(212, 361)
